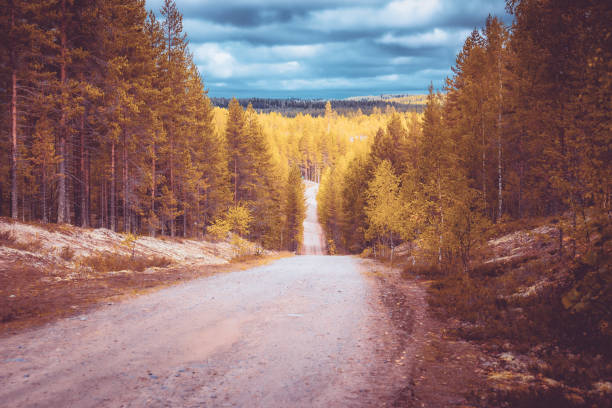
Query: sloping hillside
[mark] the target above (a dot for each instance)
(540, 317)
(44, 244)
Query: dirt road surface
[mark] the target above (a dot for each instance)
(307, 331)
(314, 243)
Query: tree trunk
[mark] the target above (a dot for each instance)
(88, 184)
(170, 130)
(23, 206)
(44, 193)
(441, 216)
(185, 220)
(113, 209)
(235, 181)
(62, 208)
(484, 159)
(14, 191)
(499, 140)
(520, 190)
(172, 216)
(77, 180)
(126, 217)
(84, 179)
(153, 170)
(102, 222)
(152, 214)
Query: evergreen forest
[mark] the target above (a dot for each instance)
(107, 122)
(521, 130)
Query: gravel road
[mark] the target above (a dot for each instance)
(306, 331)
(313, 242)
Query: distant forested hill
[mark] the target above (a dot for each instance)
(316, 107)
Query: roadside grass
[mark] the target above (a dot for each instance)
(7, 239)
(111, 262)
(66, 253)
(65, 229)
(258, 259)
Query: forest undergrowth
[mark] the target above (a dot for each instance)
(547, 333)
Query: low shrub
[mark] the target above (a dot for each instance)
(7, 238)
(366, 253)
(243, 249)
(331, 247)
(66, 253)
(464, 297)
(424, 270)
(532, 397)
(65, 229)
(109, 262)
(34, 245)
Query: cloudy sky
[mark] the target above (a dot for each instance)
(327, 48)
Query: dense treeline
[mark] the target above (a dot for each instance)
(106, 123)
(522, 130)
(346, 107)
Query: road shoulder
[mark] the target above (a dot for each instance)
(435, 370)
(42, 300)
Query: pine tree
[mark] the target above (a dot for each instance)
(44, 160)
(384, 206)
(234, 136)
(175, 65)
(295, 209)
(23, 37)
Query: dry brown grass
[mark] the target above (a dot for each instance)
(66, 253)
(252, 261)
(65, 229)
(109, 262)
(7, 239)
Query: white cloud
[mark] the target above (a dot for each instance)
(436, 38)
(218, 61)
(388, 78)
(397, 14)
(214, 60)
(296, 51)
(285, 67)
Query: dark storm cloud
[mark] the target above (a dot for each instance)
(328, 48)
(253, 13)
(248, 17)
